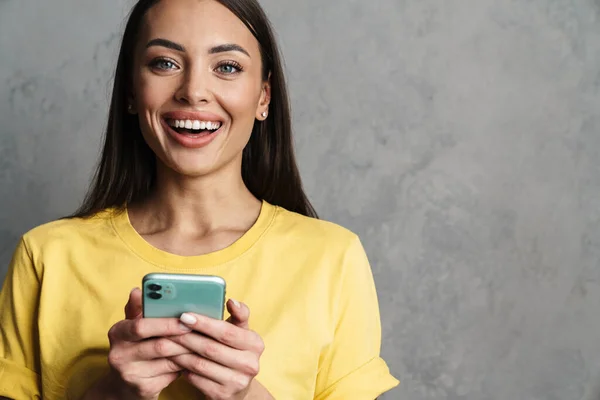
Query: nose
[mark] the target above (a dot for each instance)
(194, 88)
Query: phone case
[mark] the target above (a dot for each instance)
(170, 295)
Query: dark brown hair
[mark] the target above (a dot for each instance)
(126, 172)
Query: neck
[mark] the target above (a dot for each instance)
(197, 205)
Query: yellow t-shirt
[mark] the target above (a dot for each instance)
(307, 282)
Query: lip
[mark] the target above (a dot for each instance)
(194, 116)
(190, 141)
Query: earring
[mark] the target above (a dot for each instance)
(264, 114)
(130, 107)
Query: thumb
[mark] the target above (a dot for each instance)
(240, 313)
(133, 309)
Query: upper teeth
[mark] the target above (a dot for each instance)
(195, 125)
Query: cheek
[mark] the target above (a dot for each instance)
(240, 101)
(153, 92)
(150, 89)
(150, 94)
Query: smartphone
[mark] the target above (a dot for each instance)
(167, 295)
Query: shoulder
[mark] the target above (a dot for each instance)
(68, 231)
(307, 230)
(329, 253)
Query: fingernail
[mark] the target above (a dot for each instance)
(187, 319)
(184, 328)
(236, 303)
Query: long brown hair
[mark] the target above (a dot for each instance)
(126, 172)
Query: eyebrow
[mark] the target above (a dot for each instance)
(222, 48)
(165, 43)
(228, 47)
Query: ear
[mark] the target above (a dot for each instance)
(131, 108)
(265, 99)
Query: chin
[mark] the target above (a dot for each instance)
(194, 170)
(197, 163)
(200, 167)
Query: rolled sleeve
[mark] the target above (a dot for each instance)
(350, 366)
(18, 382)
(19, 301)
(367, 382)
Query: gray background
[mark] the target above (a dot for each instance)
(458, 138)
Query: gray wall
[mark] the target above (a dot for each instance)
(458, 138)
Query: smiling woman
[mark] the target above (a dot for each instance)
(197, 176)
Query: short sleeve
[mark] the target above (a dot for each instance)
(18, 310)
(351, 366)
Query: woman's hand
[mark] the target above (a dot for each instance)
(140, 351)
(225, 355)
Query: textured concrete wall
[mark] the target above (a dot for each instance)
(459, 138)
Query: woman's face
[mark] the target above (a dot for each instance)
(197, 85)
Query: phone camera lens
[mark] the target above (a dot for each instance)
(154, 286)
(154, 295)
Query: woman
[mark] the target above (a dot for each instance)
(197, 176)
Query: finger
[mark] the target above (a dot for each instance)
(135, 330)
(135, 371)
(207, 386)
(133, 308)
(240, 314)
(157, 384)
(152, 349)
(239, 386)
(155, 368)
(148, 387)
(206, 368)
(222, 331)
(244, 361)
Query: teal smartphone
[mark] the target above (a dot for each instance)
(167, 295)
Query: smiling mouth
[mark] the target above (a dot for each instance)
(193, 127)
